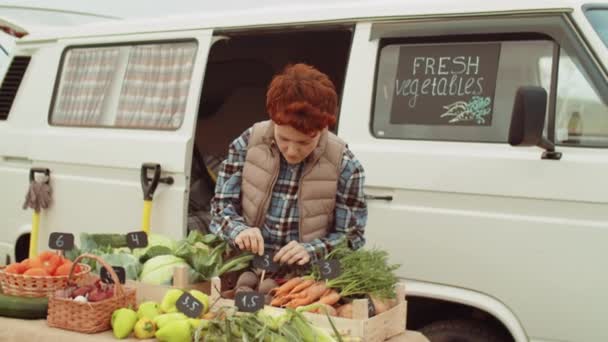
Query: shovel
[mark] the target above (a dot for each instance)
(148, 186)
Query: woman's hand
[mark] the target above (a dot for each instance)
(251, 240)
(291, 253)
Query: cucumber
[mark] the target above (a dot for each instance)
(23, 307)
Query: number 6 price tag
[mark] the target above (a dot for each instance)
(249, 301)
(189, 306)
(62, 241)
(265, 262)
(329, 268)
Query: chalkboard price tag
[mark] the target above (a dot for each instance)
(249, 301)
(107, 278)
(62, 241)
(371, 309)
(189, 306)
(137, 240)
(265, 262)
(329, 269)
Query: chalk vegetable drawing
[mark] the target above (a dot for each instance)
(475, 110)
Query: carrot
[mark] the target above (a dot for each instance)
(330, 299)
(308, 295)
(301, 286)
(288, 286)
(280, 301)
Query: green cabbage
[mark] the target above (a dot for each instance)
(127, 261)
(159, 270)
(155, 240)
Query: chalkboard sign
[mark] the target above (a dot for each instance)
(62, 241)
(329, 269)
(137, 239)
(107, 278)
(371, 308)
(265, 262)
(445, 84)
(189, 306)
(249, 301)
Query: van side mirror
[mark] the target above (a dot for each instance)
(528, 121)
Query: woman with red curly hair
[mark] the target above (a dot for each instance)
(290, 186)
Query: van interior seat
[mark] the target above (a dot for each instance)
(243, 107)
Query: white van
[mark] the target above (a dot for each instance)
(496, 242)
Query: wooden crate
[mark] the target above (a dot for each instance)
(361, 327)
(147, 292)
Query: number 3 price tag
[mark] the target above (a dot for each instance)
(249, 301)
(137, 240)
(62, 241)
(329, 268)
(265, 262)
(189, 306)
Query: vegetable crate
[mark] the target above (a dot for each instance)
(373, 329)
(146, 292)
(361, 327)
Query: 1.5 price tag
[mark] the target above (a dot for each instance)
(329, 268)
(62, 241)
(137, 240)
(265, 262)
(249, 301)
(107, 278)
(189, 306)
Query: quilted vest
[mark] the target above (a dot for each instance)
(317, 187)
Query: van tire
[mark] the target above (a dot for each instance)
(462, 331)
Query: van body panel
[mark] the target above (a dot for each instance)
(489, 218)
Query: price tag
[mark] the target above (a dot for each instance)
(189, 306)
(107, 278)
(137, 240)
(62, 241)
(249, 301)
(371, 309)
(329, 268)
(265, 262)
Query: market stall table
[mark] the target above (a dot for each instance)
(19, 330)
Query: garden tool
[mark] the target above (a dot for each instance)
(148, 186)
(38, 197)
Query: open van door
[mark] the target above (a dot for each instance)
(103, 158)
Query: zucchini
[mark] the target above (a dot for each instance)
(23, 307)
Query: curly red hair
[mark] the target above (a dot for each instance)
(303, 98)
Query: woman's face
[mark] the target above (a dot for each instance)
(294, 145)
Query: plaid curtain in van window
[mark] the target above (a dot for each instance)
(85, 78)
(155, 89)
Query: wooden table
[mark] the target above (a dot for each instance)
(19, 330)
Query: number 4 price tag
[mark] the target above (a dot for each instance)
(62, 241)
(265, 262)
(329, 268)
(137, 240)
(189, 306)
(249, 301)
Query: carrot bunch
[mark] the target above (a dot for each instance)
(300, 291)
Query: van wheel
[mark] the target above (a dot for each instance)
(462, 331)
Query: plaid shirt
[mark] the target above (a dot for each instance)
(282, 218)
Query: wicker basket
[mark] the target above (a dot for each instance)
(65, 313)
(37, 286)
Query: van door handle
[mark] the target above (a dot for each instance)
(379, 198)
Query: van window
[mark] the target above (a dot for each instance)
(460, 91)
(599, 20)
(129, 86)
(581, 118)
